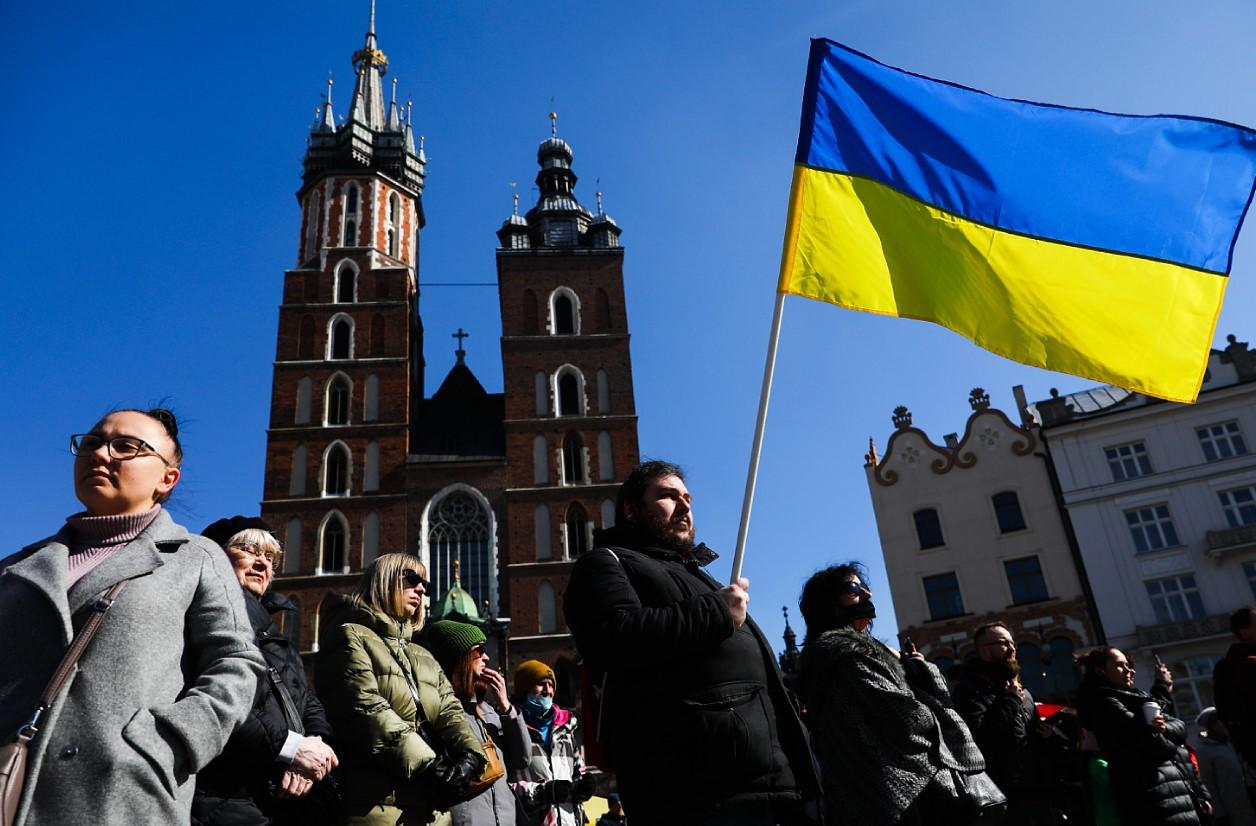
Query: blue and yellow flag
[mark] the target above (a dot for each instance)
(1079, 241)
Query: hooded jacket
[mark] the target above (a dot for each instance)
(1153, 781)
(171, 673)
(561, 761)
(694, 713)
(366, 665)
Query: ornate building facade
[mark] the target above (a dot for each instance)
(971, 531)
(499, 490)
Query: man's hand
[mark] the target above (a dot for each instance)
(1164, 675)
(737, 599)
(1045, 728)
(294, 784)
(314, 758)
(497, 696)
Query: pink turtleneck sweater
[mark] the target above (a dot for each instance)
(93, 539)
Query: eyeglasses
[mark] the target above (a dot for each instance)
(413, 580)
(850, 589)
(479, 651)
(119, 447)
(255, 551)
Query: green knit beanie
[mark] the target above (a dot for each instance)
(449, 640)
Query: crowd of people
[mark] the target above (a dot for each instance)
(185, 702)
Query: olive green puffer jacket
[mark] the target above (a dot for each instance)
(368, 702)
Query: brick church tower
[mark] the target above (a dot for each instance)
(497, 493)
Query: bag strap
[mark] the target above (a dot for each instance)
(286, 705)
(72, 655)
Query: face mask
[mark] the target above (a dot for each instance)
(538, 703)
(860, 610)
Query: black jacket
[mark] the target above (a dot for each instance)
(695, 716)
(1003, 722)
(1234, 681)
(1153, 781)
(238, 786)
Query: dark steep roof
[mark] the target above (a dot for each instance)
(461, 419)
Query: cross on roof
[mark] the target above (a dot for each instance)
(460, 335)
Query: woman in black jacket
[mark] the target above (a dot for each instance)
(1153, 781)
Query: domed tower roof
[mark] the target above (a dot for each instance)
(457, 604)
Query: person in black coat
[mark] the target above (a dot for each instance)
(694, 714)
(1019, 747)
(274, 768)
(1152, 778)
(1234, 681)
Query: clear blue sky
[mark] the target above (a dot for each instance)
(151, 151)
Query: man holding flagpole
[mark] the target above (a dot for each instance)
(694, 715)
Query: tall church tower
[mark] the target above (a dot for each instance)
(570, 419)
(349, 352)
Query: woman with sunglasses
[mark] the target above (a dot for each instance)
(891, 748)
(403, 740)
(172, 670)
(459, 648)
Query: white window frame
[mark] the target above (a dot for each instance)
(1134, 452)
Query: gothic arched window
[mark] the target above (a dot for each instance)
(459, 528)
(564, 312)
(346, 285)
(341, 338)
(394, 224)
(351, 216)
(573, 460)
(333, 551)
(336, 470)
(577, 531)
(338, 396)
(570, 394)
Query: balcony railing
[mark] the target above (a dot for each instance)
(1231, 540)
(1190, 629)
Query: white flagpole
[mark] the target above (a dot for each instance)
(769, 367)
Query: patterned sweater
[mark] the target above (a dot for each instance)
(881, 734)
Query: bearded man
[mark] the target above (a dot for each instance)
(1017, 744)
(694, 715)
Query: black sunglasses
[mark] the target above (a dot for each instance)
(413, 579)
(850, 589)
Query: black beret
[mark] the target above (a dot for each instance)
(224, 529)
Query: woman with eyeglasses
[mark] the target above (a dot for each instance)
(891, 748)
(275, 768)
(403, 740)
(459, 648)
(170, 673)
(1150, 771)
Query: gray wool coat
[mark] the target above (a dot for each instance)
(171, 673)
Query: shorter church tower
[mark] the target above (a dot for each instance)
(570, 418)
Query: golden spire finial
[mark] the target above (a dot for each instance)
(553, 124)
(458, 572)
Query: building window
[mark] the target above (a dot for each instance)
(305, 392)
(542, 394)
(1239, 505)
(603, 392)
(1128, 461)
(1249, 571)
(370, 406)
(1033, 673)
(605, 457)
(313, 218)
(1007, 510)
(459, 528)
(341, 339)
(336, 470)
(1221, 441)
(370, 538)
(346, 285)
(351, 216)
(1192, 685)
(942, 593)
(1175, 598)
(565, 312)
(370, 468)
(577, 531)
(570, 392)
(338, 396)
(573, 461)
(608, 514)
(540, 461)
(1151, 528)
(1061, 679)
(394, 217)
(1024, 578)
(333, 549)
(928, 528)
(546, 609)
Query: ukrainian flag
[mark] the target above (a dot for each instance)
(1079, 241)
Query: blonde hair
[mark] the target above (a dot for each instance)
(381, 586)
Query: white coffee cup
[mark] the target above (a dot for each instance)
(1151, 710)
